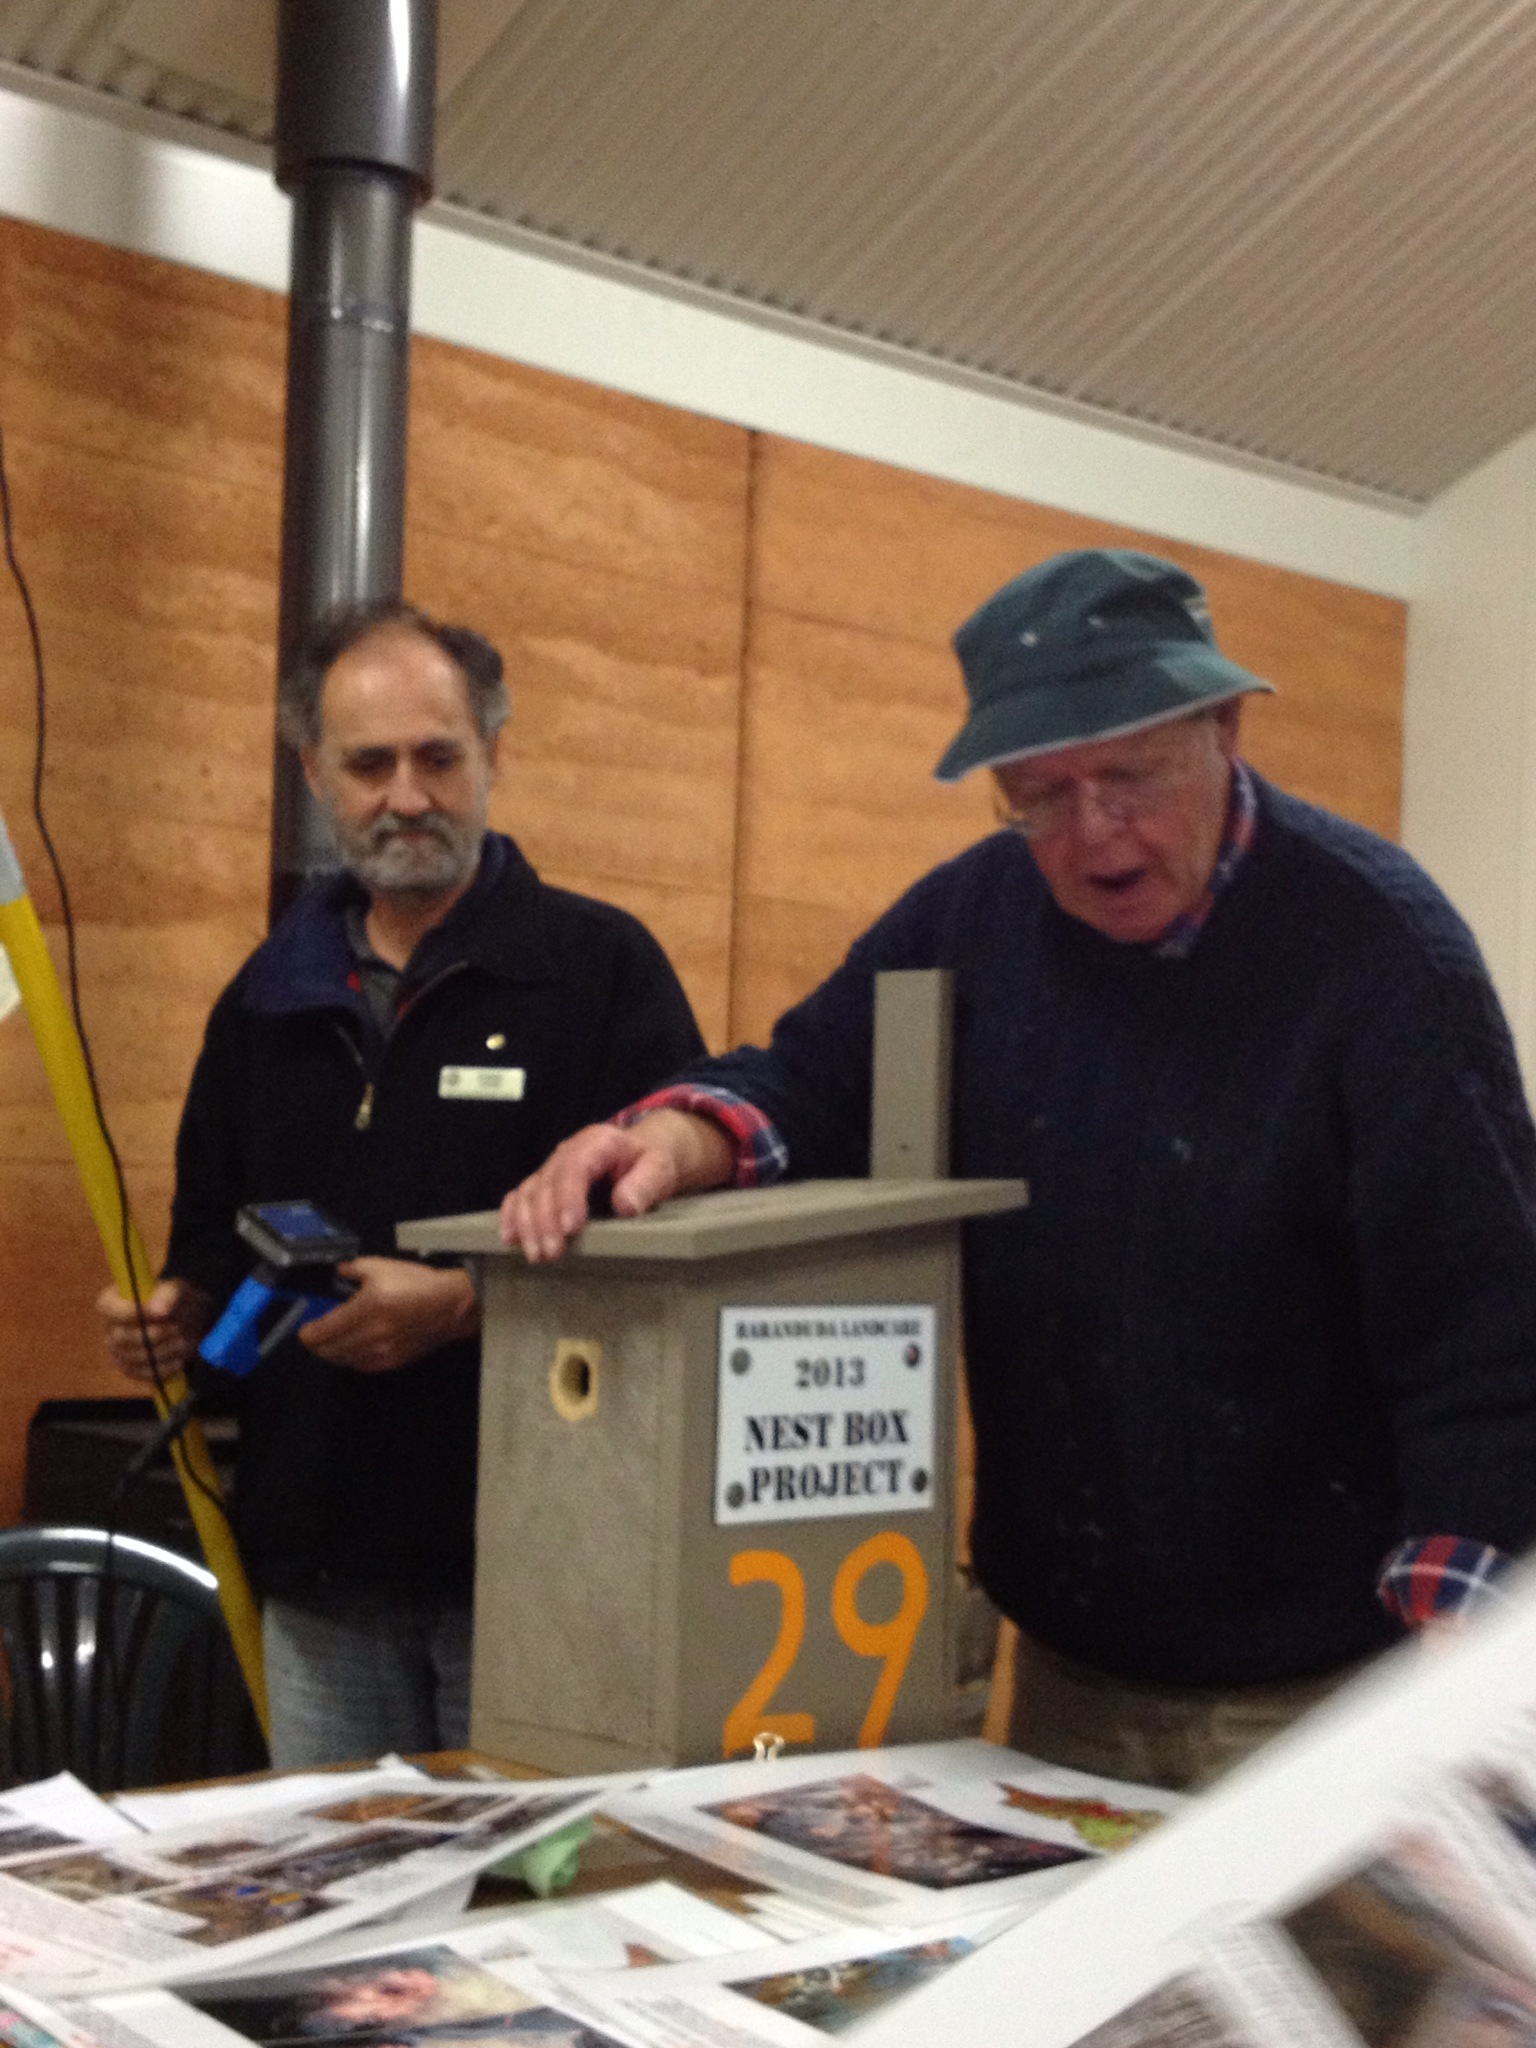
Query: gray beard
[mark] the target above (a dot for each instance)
(425, 856)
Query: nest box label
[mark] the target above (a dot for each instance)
(824, 1412)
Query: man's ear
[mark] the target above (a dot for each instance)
(493, 755)
(310, 759)
(1229, 719)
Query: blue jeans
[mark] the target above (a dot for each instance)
(355, 1673)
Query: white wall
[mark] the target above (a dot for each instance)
(64, 168)
(1469, 753)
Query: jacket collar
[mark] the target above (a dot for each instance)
(497, 925)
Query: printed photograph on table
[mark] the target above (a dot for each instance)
(1099, 1824)
(86, 1876)
(426, 1997)
(234, 1909)
(239, 1847)
(472, 1807)
(476, 1816)
(373, 1806)
(836, 1996)
(834, 1983)
(376, 1997)
(531, 1811)
(496, 1805)
(868, 1825)
(20, 1837)
(911, 1835)
(17, 2031)
(57, 1813)
(24, 2023)
(321, 1865)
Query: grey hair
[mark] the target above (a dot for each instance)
(298, 691)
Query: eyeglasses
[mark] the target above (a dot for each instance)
(1118, 794)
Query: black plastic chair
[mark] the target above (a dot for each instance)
(117, 1664)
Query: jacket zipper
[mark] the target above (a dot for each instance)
(364, 1116)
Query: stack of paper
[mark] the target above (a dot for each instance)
(248, 1872)
(1368, 1879)
(230, 1918)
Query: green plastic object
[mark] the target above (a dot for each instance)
(548, 1865)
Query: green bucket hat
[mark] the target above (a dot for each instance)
(1086, 646)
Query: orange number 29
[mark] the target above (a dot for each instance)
(891, 1640)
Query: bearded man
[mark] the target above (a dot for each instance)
(416, 1033)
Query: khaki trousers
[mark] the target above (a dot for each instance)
(1179, 1737)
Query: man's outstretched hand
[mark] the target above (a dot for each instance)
(669, 1152)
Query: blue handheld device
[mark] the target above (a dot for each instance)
(298, 1249)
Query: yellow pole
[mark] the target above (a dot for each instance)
(59, 1043)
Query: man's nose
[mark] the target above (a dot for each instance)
(407, 795)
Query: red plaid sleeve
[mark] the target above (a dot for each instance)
(761, 1155)
(1439, 1575)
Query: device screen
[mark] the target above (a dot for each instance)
(295, 1233)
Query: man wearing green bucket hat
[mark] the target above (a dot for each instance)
(1254, 1376)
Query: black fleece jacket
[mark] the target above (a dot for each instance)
(369, 1479)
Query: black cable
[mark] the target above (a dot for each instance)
(176, 1414)
(39, 758)
(66, 909)
(172, 1423)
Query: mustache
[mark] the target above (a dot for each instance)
(391, 825)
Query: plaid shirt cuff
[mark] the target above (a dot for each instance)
(761, 1154)
(1433, 1575)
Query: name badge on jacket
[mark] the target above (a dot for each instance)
(481, 1084)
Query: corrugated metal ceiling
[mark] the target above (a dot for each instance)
(1298, 230)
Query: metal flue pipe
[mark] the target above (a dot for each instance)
(356, 93)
